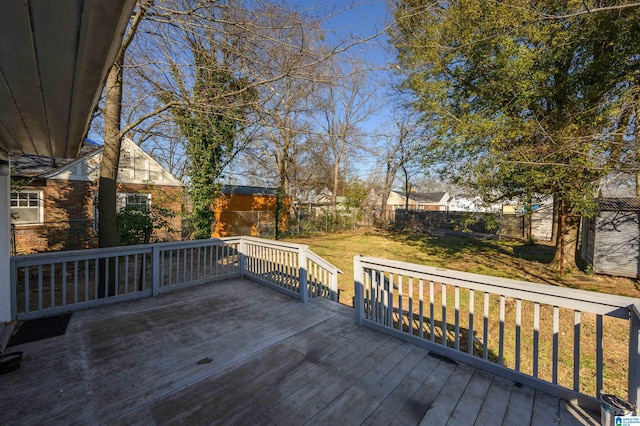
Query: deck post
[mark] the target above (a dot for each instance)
(302, 274)
(333, 286)
(155, 270)
(634, 355)
(358, 302)
(6, 308)
(241, 251)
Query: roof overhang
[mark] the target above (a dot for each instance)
(54, 58)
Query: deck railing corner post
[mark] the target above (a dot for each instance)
(634, 355)
(302, 271)
(241, 258)
(155, 270)
(358, 278)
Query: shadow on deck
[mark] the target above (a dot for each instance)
(235, 352)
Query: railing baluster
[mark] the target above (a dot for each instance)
(443, 290)
(576, 350)
(485, 335)
(75, 282)
(456, 306)
(501, 343)
(96, 278)
(518, 326)
(126, 274)
(199, 273)
(64, 283)
(599, 355)
(556, 331)
(472, 309)
(27, 290)
(137, 284)
(52, 285)
(410, 313)
(432, 309)
(116, 275)
(170, 278)
(184, 266)
(421, 307)
(388, 300)
(40, 284)
(86, 280)
(143, 284)
(536, 337)
(400, 310)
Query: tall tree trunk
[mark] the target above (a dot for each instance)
(107, 222)
(336, 178)
(107, 225)
(554, 218)
(564, 259)
(283, 182)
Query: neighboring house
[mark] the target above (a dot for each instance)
(54, 202)
(611, 239)
(324, 200)
(419, 201)
(476, 205)
(246, 210)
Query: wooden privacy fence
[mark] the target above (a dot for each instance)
(570, 343)
(51, 283)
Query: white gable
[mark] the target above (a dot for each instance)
(136, 167)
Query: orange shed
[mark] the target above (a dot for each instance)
(246, 210)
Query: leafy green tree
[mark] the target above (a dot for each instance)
(136, 224)
(528, 100)
(355, 193)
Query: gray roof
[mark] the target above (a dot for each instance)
(34, 165)
(619, 204)
(427, 197)
(248, 190)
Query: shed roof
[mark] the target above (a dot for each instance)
(631, 204)
(248, 190)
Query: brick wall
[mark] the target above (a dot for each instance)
(69, 216)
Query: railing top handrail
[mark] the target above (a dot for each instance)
(608, 304)
(282, 244)
(322, 262)
(72, 255)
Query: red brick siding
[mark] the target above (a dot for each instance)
(69, 216)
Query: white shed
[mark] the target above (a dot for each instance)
(611, 239)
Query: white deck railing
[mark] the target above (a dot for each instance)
(546, 337)
(51, 283)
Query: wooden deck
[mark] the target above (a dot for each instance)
(235, 352)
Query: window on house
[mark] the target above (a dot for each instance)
(142, 201)
(26, 207)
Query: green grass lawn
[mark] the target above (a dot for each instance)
(501, 258)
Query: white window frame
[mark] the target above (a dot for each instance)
(122, 199)
(15, 209)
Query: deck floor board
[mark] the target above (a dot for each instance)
(235, 352)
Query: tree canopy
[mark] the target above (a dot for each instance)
(527, 99)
